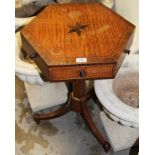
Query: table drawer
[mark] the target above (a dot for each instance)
(81, 72)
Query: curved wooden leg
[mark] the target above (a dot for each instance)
(86, 116)
(61, 111)
(36, 120)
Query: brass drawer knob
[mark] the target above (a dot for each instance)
(127, 51)
(82, 73)
(34, 55)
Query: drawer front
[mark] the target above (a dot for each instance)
(81, 72)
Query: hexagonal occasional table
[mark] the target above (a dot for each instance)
(76, 42)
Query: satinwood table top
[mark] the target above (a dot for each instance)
(75, 34)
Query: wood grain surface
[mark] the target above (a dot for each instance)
(62, 33)
(54, 34)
